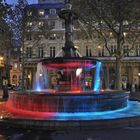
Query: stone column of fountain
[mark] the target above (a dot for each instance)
(69, 16)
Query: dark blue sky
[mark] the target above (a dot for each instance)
(14, 1)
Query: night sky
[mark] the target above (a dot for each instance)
(14, 1)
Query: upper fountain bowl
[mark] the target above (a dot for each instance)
(69, 74)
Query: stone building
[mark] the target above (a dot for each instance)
(44, 37)
(5, 48)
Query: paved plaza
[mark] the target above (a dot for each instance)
(104, 134)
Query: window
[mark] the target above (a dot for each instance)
(14, 79)
(29, 52)
(20, 67)
(63, 24)
(40, 52)
(28, 37)
(52, 11)
(52, 24)
(29, 13)
(41, 12)
(15, 49)
(40, 36)
(100, 50)
(138, 50)
(125, 50)
(52, 51)
(29, 24)
(40, 24)
(88, 51)
(113, 49)
(53, 37)
(15, 66)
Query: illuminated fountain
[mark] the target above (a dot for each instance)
(68, 84)
(67, 88)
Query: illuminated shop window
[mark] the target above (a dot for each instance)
(15, 66)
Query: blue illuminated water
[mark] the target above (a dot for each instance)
(132, 110)
(97, 77)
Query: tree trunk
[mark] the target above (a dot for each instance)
(118, 74)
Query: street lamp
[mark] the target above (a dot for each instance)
(1, 61)
(1, 58)
(1, 66)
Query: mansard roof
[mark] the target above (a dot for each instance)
(46, 6)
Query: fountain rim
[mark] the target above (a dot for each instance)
(87, 93)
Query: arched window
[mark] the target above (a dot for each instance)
(14, 79)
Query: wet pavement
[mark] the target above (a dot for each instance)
(109, 134)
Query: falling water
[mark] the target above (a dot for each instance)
(41, 78)
(97, 85)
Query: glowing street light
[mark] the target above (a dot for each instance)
(124, 34)
(40, 74)
(1, 58)
(29, 76)
(99, 47)
(1, 61)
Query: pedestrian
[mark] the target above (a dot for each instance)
(133, 89)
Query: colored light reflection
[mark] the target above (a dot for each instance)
(38, 88)
(97, 82)
(68, 75)
(133, 109)
(69, 64)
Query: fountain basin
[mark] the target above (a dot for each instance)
(57, 102)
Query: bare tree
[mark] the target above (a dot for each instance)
(119, 17)
(5, 40)
(16, 22)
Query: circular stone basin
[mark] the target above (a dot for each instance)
(57, 102)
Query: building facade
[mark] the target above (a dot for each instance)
(45, 37)
(5, 49)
